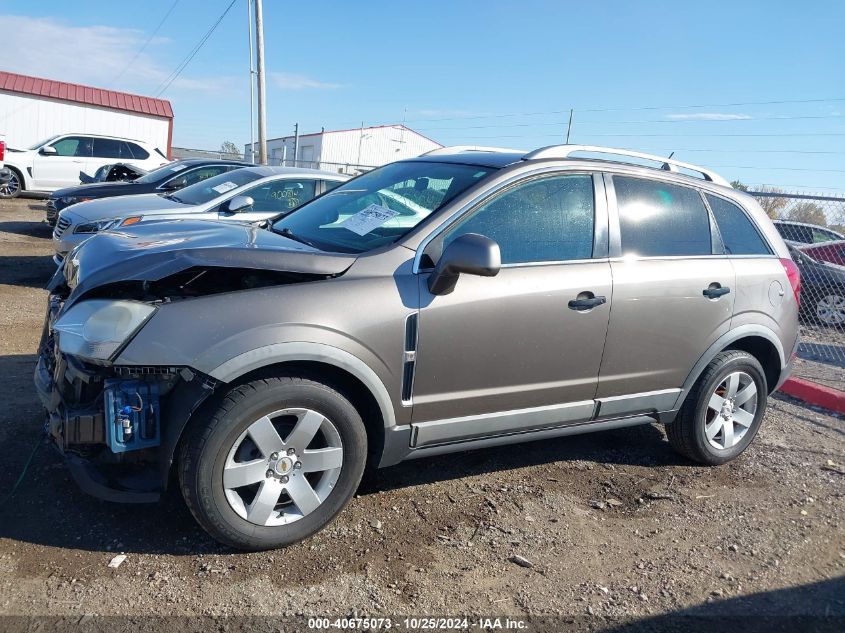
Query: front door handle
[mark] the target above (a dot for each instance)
(586, 301)
(714, 291)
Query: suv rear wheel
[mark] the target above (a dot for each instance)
(274, 463)
(722, 413)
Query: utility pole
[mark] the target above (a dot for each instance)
(295, 143)
(262, 94)
(251, 85)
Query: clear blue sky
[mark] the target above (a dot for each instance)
(473, 72)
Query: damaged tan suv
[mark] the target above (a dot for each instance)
(467, 298)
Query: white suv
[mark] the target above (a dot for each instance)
(58, 161)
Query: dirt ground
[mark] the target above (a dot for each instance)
(612, 524)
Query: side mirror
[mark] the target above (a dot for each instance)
(239, 203)
(175, 184)
(472, 254)
(47, 150)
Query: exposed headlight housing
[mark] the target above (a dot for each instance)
(96, 329)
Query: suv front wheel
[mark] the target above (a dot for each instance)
(723, 411)
(273, 463)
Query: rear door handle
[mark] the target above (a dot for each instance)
(715, 291)
(586, 301)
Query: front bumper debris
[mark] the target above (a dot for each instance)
(110, 422)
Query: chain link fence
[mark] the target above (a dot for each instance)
(814, 228)
(351, 169)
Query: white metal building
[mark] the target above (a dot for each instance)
(345, 150)
(33, 109)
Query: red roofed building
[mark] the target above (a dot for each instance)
(33, 109)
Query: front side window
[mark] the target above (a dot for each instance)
(77, 146)
(738, 233)
(381, 206)
(207, 190)
(281, 196)
(545, 220)
(658, 219)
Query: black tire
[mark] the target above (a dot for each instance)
(14, 187)
(686, 433)
(212, 434)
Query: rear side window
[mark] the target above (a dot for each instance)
(107, 148)
(658, 219)
(795, 232)
(545, 220)
(738, 233)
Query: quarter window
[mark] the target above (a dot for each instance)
(738, 233)
(138, 152)
(657, 219)
(546, 220)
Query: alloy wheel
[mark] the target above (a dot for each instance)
(283, 467)
(830, 309)
(11, 188)
(730, 410)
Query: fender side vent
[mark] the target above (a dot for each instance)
(409, 359)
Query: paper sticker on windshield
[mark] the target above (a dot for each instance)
(178, 167)
(368, 219)
(223, 187)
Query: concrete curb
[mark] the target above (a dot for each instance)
(816, 394)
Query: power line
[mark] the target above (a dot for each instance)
(621, 135)
(172, 77)
(149, 39)
(618, 122)
(635, 109)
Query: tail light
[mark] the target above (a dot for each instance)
(2, 151)
(794, 276)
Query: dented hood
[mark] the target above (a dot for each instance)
(149, 251)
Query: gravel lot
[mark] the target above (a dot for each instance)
(611, 524)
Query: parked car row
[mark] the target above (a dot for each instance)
(220, 191)
(466, 298)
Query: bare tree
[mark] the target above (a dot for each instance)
(772, 206)
(230, 149)
(808, 212)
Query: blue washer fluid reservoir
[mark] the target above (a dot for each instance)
(132, 415)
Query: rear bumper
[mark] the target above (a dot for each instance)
(786, 372)
(5, 175)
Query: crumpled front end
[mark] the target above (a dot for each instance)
(116, 426)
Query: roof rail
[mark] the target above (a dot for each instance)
(460, 149)
(667, 164)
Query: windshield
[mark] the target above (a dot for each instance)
(44, 142)
(379, 207)
(211, 188)
(171, 169)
